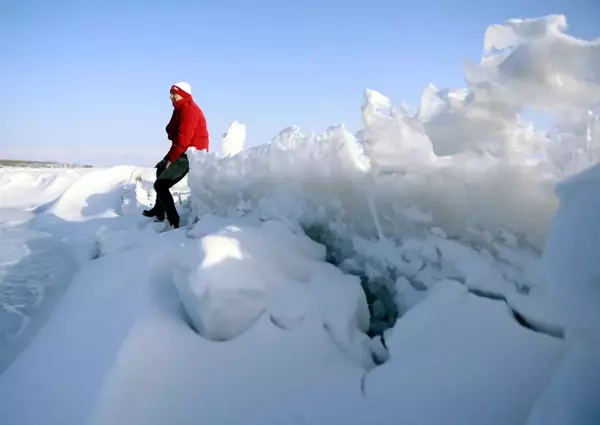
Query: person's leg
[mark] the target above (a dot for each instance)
(169, 178)
(158, 210)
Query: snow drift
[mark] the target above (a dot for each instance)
(570, 271)
(459, 341)
(26, 187)
(246, 271)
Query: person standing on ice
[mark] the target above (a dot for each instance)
(186, 128)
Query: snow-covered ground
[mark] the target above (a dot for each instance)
(421, 271)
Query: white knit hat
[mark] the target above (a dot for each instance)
(185, 87)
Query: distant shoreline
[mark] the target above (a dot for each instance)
(14, 163)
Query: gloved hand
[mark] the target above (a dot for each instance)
(161, 164)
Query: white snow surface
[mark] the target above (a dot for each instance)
(259, 309)
(233, 140)
(429, 348)
(24, 188)
(570, 270)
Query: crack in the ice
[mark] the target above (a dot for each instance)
(363, 384)
(489, 295)
(553, 331)
(530, 325)
(378, 292)
(549, 330)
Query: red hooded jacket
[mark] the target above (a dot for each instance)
(186, 128)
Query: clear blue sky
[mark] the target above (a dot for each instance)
(95, 75)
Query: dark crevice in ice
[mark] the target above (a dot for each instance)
(527, 323)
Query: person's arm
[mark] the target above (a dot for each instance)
(188, 122)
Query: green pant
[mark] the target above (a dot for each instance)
(166, 178)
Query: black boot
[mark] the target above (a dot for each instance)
(152, 213)
(174, 222)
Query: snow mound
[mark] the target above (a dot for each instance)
(569, 264)
(571, 274)
(248, 271)
(98, 193)
(82, 215)
(473, 350)
(268, 373)
(572, 396)
(233, 140)
(32, 187)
